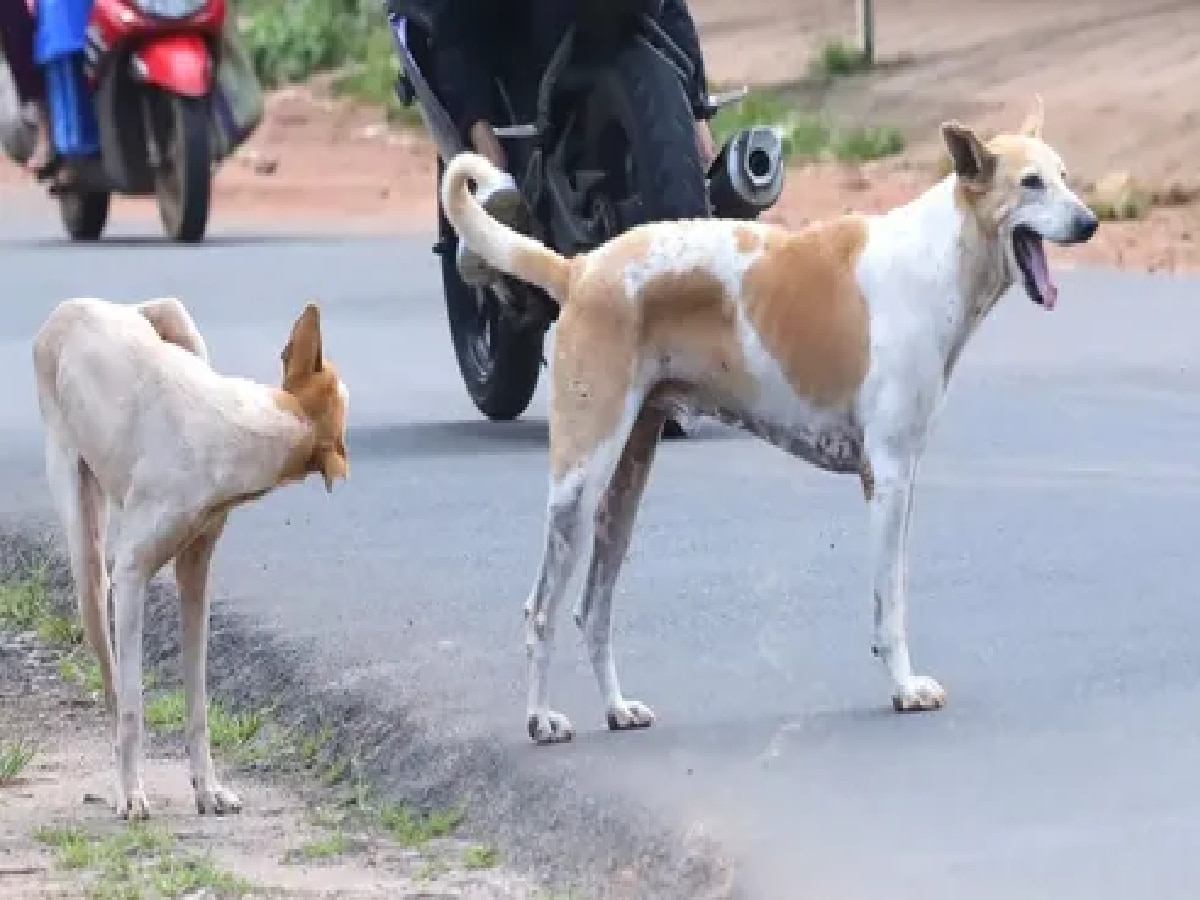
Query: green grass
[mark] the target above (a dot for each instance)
(25, 603)
(838, 59)
(228, 731)
(481, 856)
(334, 844)
(166, 712)
(290, 40)
(311, 745)
(806, 136)
(372, 79)
(410, 828)
(865, 144)
(138, 861)
(80, 668)
(15, 757)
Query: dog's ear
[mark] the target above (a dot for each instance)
(1032, 126)
(302, 355)
(332, 462)
(974, 164)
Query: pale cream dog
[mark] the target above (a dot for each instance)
(134, 415)
(834, 342)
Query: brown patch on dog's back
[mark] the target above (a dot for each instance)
(804, 302)
(746, 239)
(690, 314)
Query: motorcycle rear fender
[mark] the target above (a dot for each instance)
(180, 63)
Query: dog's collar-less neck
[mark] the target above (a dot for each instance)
(970, 266)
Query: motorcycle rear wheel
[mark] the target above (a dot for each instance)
(644, 95)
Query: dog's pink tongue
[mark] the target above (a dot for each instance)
(1041, 275)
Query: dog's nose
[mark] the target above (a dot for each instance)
(1086, 224)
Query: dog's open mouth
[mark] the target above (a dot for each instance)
(1031, 257)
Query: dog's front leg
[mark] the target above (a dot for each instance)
(191, 574)
(129, 596)
(891, 511)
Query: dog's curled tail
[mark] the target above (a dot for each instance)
(174, 324)
(501, 247)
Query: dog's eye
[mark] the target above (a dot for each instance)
(1033, 181)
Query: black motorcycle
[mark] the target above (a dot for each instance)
(612, 146)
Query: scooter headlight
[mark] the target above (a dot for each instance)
(170, 9)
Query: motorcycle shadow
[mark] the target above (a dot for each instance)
(417, 440)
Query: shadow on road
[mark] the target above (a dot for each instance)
(481, 438)
(428, 439)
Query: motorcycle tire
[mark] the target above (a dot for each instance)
(84, 214)
(645, 95)
(499, 362)
(183, 182)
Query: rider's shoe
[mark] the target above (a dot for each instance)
(503, 201)
(19, 134)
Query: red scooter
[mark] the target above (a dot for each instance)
(157, 121)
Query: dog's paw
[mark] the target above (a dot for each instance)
(630, 714)
(135, 807)
(919, 694)
(219, 801)
(550, 728)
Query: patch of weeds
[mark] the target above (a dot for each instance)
(25, 603)
(481, 856)
(865, 144)
(837, 59)
(804, 136)
(325, 817)
(72, 845)
(137, 861)
(337, 772)
(179, 876)
(335, 844)
(410, 828)
(372, 79)
(431, 869)
(311, 745)
(230, 730)
(15, 757)
(289, 40)
(61, 631)
(1123, 210)
(165, 712)
(82, 670)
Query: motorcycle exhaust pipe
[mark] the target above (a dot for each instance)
(746, 178)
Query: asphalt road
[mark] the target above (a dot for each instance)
(1053, 579)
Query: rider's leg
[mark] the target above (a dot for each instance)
(19, 116)
(514, 101)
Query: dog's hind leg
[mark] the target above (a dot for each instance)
(614, 528)
(574, 498)
(84, 513)
(191, 574)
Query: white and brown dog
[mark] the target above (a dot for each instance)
(834, 342)
(134, 415)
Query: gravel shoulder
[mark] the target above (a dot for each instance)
(310, 827)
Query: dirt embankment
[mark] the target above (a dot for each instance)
(1118, 80)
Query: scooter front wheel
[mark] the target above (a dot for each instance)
(84, 213)
(183, 180)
